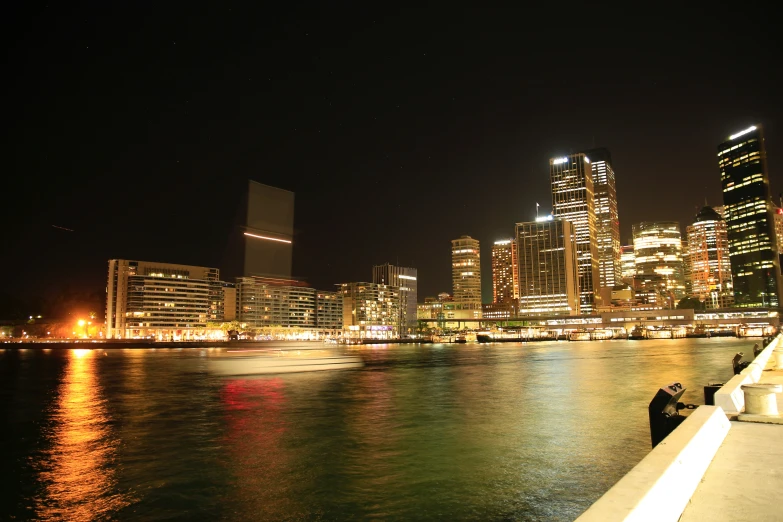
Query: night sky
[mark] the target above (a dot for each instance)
(135, 125)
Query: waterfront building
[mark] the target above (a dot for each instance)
(573, 200)
(329, 312)
(755, 264)
(267, 228)
(627, 262)
(466, 274)
(708, 248)
(505, 273)
(548, 267)
(222, 301)
(607, 220)
(370, 310)
(502, 310)
(658, 250)
(405, 279)
(265, 302)
(443, 307)
(161, 300)
(229, 302)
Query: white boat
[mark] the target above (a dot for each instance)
(281, 363)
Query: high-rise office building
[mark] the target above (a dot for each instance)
(607, 220)
(370, 310)
(573, 200)
(687, 272)
(161, 300)
(466, 274)
(779, 228)
(627, 262)
(406, 280)
(548, 267)
(755, 265)
(505, 275)
(708, 248)
(267, 231)
(657, 246)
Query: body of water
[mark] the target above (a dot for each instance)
(432, 432)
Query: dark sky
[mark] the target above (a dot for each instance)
(134, 124)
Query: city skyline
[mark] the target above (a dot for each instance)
(163, 129)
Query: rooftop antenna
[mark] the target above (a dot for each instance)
(536, 210)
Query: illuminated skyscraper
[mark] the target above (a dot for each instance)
(573, 200)
(658, 250)
(466, 274)
(627, 262)
(779, 229)
(548, 267)
(406, 280)
(708, 248)
(755, 265)
(607, 221)
(505, 276)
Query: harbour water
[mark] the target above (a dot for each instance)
(433, 432)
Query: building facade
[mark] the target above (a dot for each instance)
(267, 231)
(658, 251)
(607, 219)
(329, 312)
(627, 263)
(406, 279)
(753, 249)
(370, 311)
(164, 301)
(708, 248)
(505, 273)
(265, 303)
(466, 274)
(573, 200)
(548, 267)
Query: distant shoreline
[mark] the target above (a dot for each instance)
(65, 344)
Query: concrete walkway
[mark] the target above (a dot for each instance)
(745, 479)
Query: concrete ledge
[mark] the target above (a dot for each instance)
(660, 486)
(730, 397)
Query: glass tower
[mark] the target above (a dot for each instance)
(573, 200)
(607, 221)
(750, 221)
(657, 246)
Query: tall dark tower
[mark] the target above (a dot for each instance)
(755, 266)
(268, 231)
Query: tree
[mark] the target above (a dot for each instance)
(690, 303)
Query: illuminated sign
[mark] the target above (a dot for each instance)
(267, 238)
(407, 277)
(558, 161)
(544, 218)
(749, 129)
(587, 160)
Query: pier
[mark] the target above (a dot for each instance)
(722, 464)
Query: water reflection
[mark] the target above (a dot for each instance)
(255, 437)
(77, 470)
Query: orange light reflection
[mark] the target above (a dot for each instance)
(77, 470)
